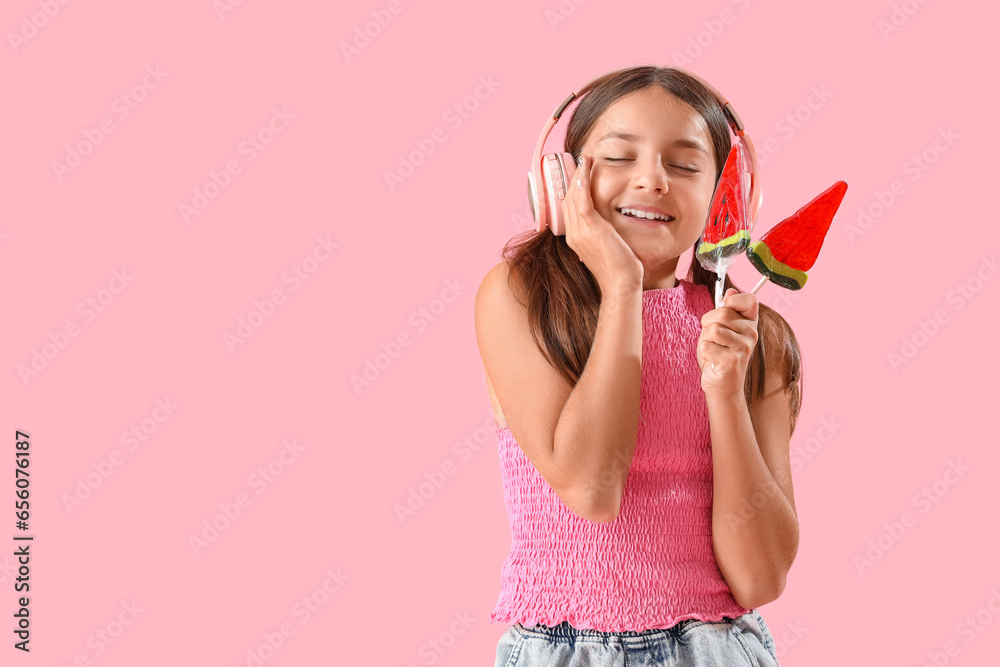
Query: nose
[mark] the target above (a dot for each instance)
(652, 175)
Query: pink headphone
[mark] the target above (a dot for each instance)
(550, 174)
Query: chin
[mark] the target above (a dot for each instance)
(665, 253)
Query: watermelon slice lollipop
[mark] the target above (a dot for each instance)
(727, 233)
(789, 249)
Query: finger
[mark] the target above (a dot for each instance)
(719, 334)
(719, 356)
(731, 333)
(732, 339)
(743, 303)
(571, 189)
(569, 211)
(571, 186)
(727, 316)
(711, 355)
(580, 175)
(583, 198)
(569, 201)
(740, 300)
(569, 221)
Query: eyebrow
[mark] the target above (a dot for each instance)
(634, 138)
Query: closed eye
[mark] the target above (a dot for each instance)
(675, 166)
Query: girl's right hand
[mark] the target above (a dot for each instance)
(594, 239)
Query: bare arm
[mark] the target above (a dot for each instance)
(755, 529)
(596, 435)
(580, 439)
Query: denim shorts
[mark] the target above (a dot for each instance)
(730, 642)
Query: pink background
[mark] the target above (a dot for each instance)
(406, 263)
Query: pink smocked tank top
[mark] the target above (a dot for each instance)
(653, 566)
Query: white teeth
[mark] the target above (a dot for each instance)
(642, 214)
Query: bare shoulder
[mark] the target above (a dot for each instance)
(496, 308)
(495, 284)
(492, 302)
(528, 392)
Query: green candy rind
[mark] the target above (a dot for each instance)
(777, 272)
(743, 236)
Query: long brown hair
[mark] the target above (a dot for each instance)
(562, 296)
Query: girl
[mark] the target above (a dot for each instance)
(644, 434)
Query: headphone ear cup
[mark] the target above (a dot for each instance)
(557, 172)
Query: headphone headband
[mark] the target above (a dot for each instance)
(537, 186)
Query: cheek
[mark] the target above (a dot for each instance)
(602, 191)
(701, 197)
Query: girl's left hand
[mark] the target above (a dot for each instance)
(728, 338)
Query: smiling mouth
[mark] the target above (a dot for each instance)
(649, 221)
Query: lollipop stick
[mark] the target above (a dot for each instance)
(759, 285)
(720, 285)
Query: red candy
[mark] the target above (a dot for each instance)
(727, 232)
(796, 240)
